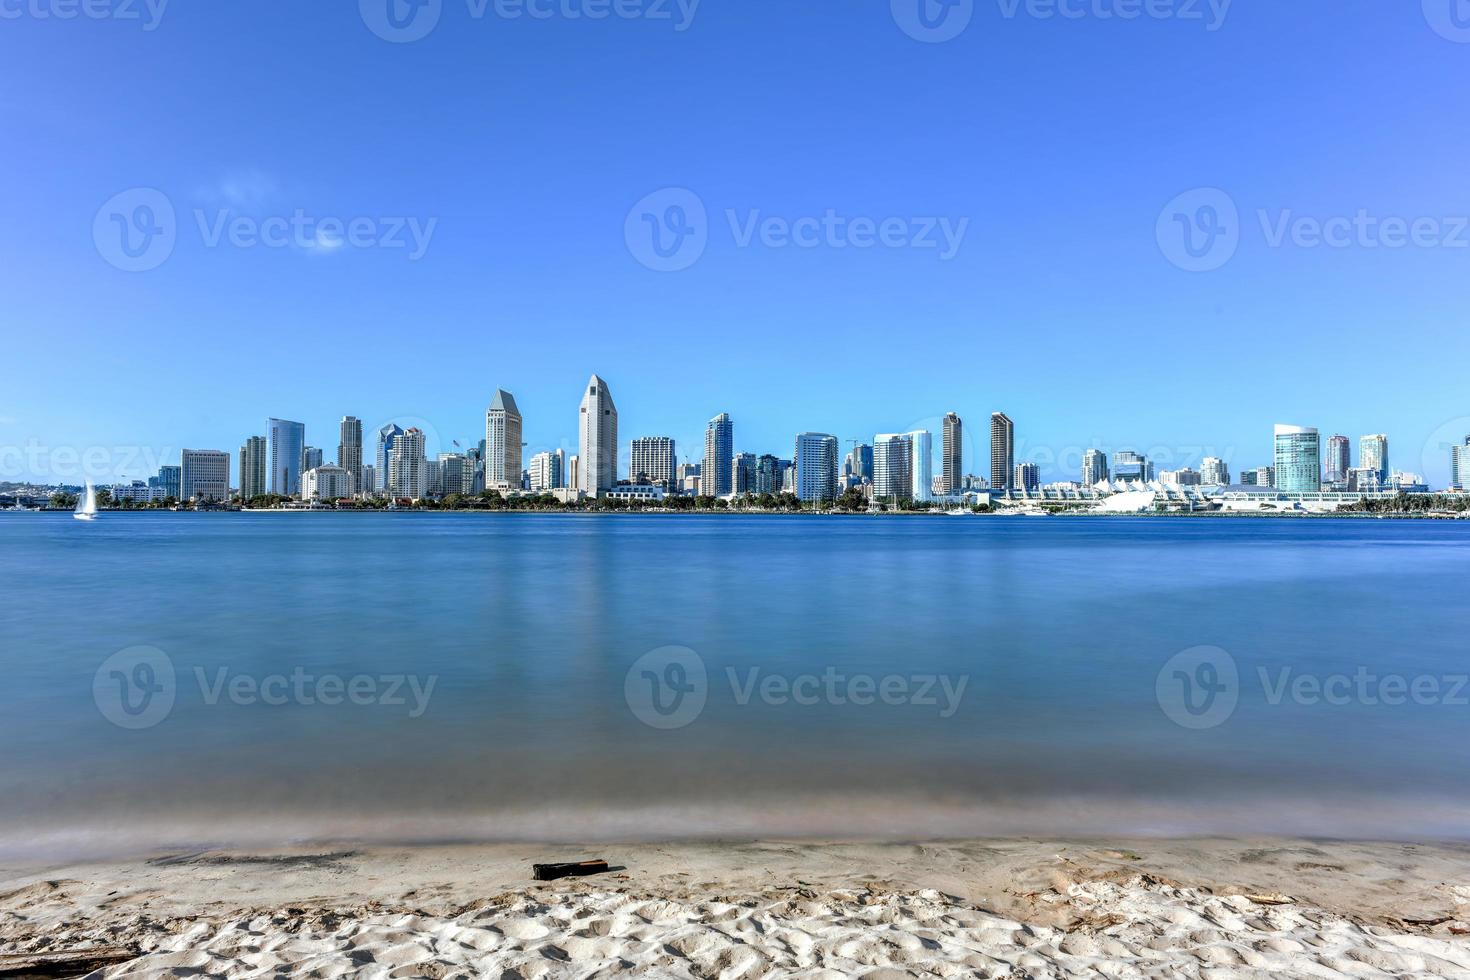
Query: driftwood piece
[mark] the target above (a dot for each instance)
(68, 963)
(551, 872)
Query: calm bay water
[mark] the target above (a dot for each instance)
(507, 676)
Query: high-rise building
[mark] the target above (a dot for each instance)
(652, 461)
(598, 462)
(1182, 478)
(1002, 450)
(768, 474)
(326, 483)
(349, 449)
(1298, 459)
(167, 481)
(952, 469)
(893, 467)
(1460, 466)
(502, 442)
(287, 449)
(311, 458)
(1373, 455)
(1214, 472)
(717, 476)
(742, 472)
(860, 462)
(1339, 459)
(545, 472)
(204, 475)
(1094, 467)
(253, 465)
(816, 466)
(369, 484)
(921, 459)
(387, 435)
(407, 474)
(1027, 477)
(1133, 467)
(452, 475)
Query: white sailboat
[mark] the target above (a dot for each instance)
(87, 506)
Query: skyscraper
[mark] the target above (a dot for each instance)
(1131, 466)
(598, 460)
(768, 474)
(387, 435)
(204, 475)
(349, 450)
(1339, 459)
(1094, 467)
(502, 442)
(287, 444)
(311, 458)
(952, 470)
(1373, 455)
(168, 480)
(1460, 466)
(1002, 450)
(652, 461)
(406, 470)
(742, 471)
(717, 478)
(545, 472)
(893, 470)
(1298, 459)
(253, 465)
(816, 466)
(860, 462)
(1214, 472)
(1027, 476)
(921, 459)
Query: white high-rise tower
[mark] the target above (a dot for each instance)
(598, 459)
(503, 443)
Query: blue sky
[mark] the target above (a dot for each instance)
(524, 143)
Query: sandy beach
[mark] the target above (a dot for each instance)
(1018, 908)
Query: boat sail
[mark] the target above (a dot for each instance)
(87, 506)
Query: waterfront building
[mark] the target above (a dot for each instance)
(349, 449)
(1094, 467)
(1027, 477)
(503, 447)
(287, 451)
(1460, 466)
(311, 458)
(742, 471)
(859, 463)
(767, 474)
(574, 473)
(326, 482)
(893, 467)
(369, 485)
(1366, 479)
(1132, 466)
(138, 492)
(1373, 455)
(1339, 459)
(922, 461)
(1181, 478)
(452, 468)
(952, 465)
(652, 462)
(1214, 472)
(204, 474)
(717, 477)
(167, 481)
(387, 436)
(1298, 458)
(598, 463)
(254, 463)
(545, 472)
(1261, 476)
(1002, 450)
(787, 469)
(816, 466)
(406, 469)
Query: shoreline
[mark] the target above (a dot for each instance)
(1126, 906)
(651, 512)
